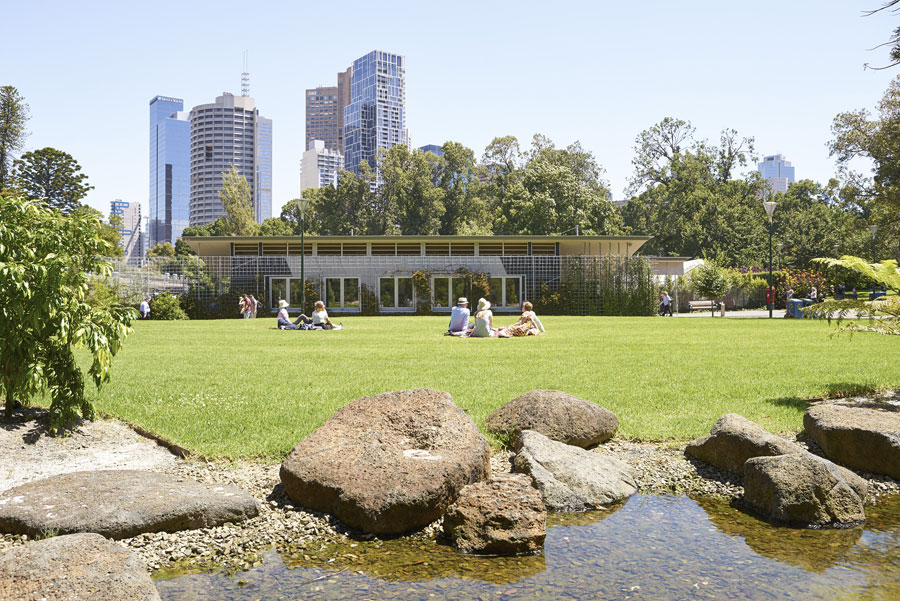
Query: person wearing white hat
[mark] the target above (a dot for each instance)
(284, 320)
(484, 320)
(459, 316)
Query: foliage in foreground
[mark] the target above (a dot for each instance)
(47, 308)
(883, 314)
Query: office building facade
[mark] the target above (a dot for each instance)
(322, 117)
(229, 132)
(320, 166)
(169, 200)
(375, 119)
(129, 227)
(433, 148)
(778, 171)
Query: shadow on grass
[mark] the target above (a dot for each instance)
(836, 390)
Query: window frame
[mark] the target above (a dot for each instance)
(342, 308)
(396, 296)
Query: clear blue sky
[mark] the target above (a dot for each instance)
(598, 72)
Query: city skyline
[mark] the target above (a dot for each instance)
(600, 74)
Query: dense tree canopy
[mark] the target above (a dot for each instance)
(52, 177)
(236, 197)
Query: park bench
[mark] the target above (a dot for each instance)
(702, 304)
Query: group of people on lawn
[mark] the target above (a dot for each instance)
(318, 321)
(527, 325)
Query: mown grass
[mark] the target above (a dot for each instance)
(240, 388)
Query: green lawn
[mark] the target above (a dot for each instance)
(239, 388)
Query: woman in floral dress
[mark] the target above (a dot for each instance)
(526, 326)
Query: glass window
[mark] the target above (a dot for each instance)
(386, 292)
(459, 289)
(513, 291)
(404, 292)
(279, 290)
(440, 288)
(333, 292)
(296, 294)
(351, 293)
(495, 296)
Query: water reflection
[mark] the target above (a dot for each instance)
(650, 548)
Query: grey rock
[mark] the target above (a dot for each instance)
(734, 439)
(503, 517)
(804, 490)
(558, 416)
(76, 566)
(120, 504)
(569, 478)
(862, 435)
(388, 463)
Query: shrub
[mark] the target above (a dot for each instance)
(166, 307)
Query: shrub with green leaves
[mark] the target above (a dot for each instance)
(166, 307)
(47, 260)
(710, 280)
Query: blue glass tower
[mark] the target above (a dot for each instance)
(169, 170)
(778, 171)
(376, 116)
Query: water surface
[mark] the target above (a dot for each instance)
(651, 547)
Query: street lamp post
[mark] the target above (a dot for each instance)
(769, 205)
(874, 229)
(303, 203)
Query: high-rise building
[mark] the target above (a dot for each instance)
(225, 133)
(778, 171)
(376, 116)
(320, 166)
(344, 80)
(129, 227)
(434, 148)
(169, 170)
(322, 117)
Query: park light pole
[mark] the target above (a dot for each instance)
(769, 205)
(303, 203)
(874, 229)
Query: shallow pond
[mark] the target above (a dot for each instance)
(648, 548)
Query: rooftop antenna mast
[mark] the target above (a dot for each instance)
(245, 78)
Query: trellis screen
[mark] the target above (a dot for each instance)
(577, 285)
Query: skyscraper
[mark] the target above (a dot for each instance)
(225, 133)
(169, 170)
(778, 171)
(320, 166)
(344, 80)
(322, 117)
(376, 116)
(129, 227)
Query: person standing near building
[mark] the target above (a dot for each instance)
(145, 308)
(667, 305)
(254, 306)
(459, 316)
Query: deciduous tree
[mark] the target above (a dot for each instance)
(237, 200)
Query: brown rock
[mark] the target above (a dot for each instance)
(735, 439)
(503, 517)
(801, 489)
(862, 435)
(74, 567)
(558, 416)
(120, 504)
(388, 463)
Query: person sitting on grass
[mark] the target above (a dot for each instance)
(459, 317)
(528, 324)
(284, 320)
(320, 320)
(484, 321)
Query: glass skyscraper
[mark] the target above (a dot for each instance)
(376, 116)
(169, 170)
(225, 133)
(778, 171)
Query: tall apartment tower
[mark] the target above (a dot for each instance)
(169, 170)
(229, 132)
(344, 80)
(322, 117)
(376, 116)
(778, 171)
(129, 227)
(320, 166)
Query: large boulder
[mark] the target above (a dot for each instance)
(558, 416)
(569, 478)
(77, 566)
(503, 517)
(735, 439)
(388, 463)
(120, 504)
(801, 489)
(864, 436)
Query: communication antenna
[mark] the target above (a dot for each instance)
(245, 78)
